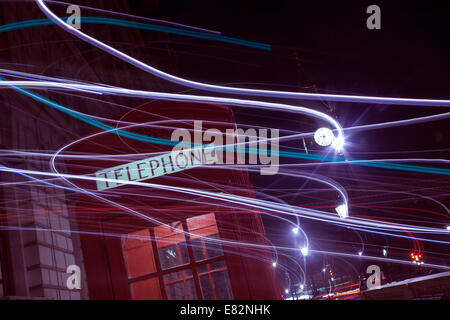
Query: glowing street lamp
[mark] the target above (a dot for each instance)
(338, 143)
(304, 251)
(295, 230)
(342, 210)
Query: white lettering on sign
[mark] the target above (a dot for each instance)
(140, 170)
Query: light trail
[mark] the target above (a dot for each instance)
(231, 90)
(240, 200)
(142, 26)
(228, 101)
(175, 24)
(263, 202)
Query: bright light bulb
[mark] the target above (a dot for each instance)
(302, 287)
(338, 143)
(274, 264)
(304, 251)
(323, 270)
(286, 291)
(332, 279)
(448, 227)
(342, 210)
(295, 230)
(360, 253)
(384, 252)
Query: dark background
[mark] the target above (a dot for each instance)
(317, 46)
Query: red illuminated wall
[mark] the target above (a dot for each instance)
(108, 263)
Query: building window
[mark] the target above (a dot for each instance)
(214, 281)
(171, 244)
(180, 285)
(174, 265)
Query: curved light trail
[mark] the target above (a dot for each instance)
(274, 201)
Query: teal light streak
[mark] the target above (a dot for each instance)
(283, 153)
(143, 26)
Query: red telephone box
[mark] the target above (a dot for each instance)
(131, 257)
